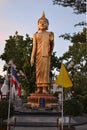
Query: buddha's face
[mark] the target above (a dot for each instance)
(42, 24)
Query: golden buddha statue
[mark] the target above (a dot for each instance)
(43, 43)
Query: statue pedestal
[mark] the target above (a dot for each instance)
(42, 100)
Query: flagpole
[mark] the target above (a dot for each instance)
(62, 108)
(9, 108)
(62, 96)
(9, 103)
(64, 81)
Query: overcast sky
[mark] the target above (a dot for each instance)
(22, 16)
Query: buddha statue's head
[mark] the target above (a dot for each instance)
(43, 23)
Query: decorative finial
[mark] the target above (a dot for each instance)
(43, 17)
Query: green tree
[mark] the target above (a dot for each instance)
(19, 50)
(72, 107)
(77, 54)
(79, 6)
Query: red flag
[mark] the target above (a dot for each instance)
(14, 81)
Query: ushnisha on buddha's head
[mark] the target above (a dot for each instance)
(43, 23)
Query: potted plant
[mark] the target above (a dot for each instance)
(72, 107)
(4, 104)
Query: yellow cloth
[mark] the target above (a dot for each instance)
(63, 78)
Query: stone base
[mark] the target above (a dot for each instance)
(34, 100)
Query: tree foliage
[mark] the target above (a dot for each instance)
(79, 6)
(72, 107)
(18, 49)
(77, 54)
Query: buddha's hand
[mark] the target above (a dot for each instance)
(32, 62)
(51, 36)
(51, 43)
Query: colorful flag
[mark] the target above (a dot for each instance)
(14, 80)
(63, 78)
